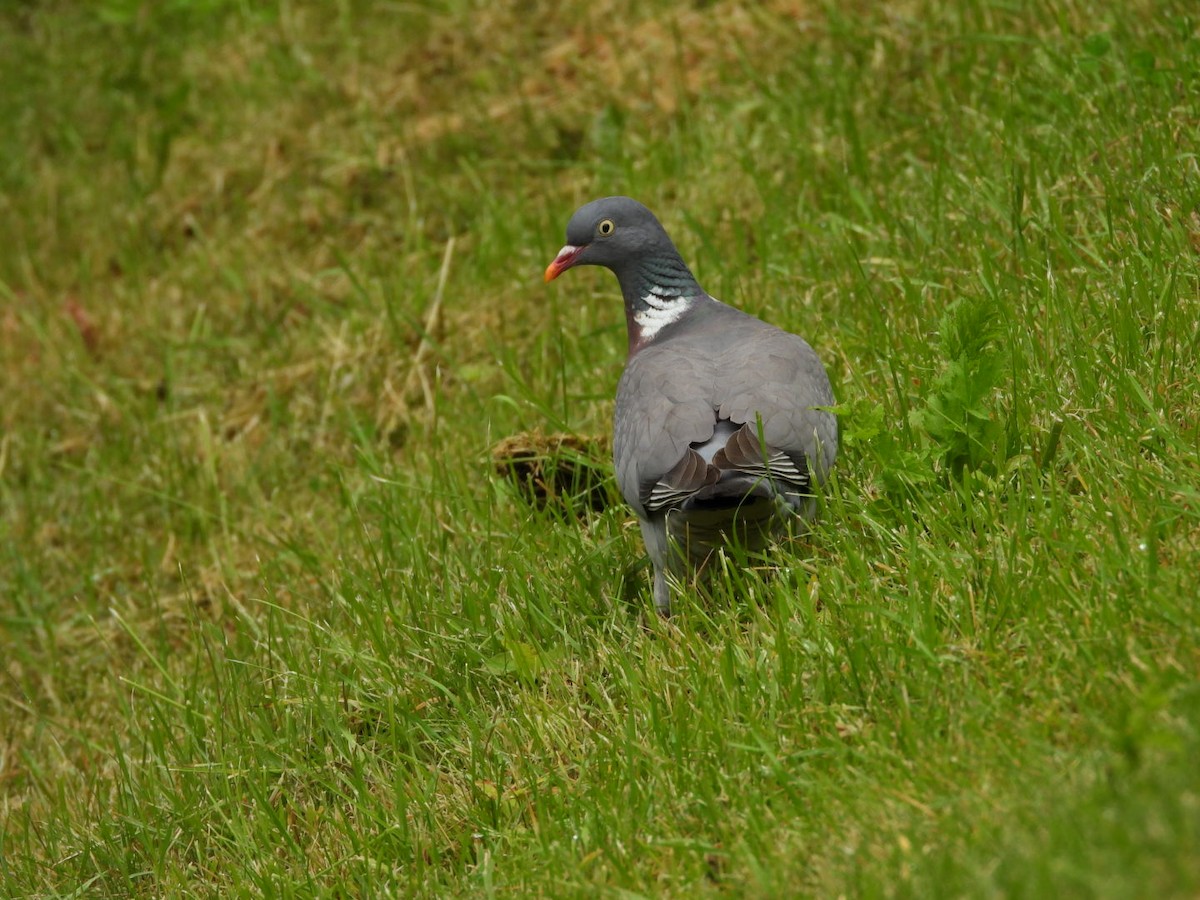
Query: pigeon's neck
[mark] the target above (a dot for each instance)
(658, 293)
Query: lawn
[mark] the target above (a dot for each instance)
(275, 623)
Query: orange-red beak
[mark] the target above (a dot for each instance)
(565, 259)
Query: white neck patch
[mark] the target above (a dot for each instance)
(661, 307)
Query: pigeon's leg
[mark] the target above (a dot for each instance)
(654, 533)
(662, 593)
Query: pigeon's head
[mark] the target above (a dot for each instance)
(615, 232)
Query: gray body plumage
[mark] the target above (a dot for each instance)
(718, 434)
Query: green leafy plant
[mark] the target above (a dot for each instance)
(960, 418)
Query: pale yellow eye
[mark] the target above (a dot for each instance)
(605, 228)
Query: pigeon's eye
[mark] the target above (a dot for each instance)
(605, 228)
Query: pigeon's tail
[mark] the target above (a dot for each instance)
(747, 519)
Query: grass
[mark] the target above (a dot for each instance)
(271, 624)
